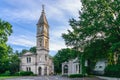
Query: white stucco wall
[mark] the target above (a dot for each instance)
(100, 66)
(72, 69)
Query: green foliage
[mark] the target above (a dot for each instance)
(33, 49)
(9, 62)
(97, 32)
(24, 73)
(98, 48)
(5, 31)
(14, 63)
(62, 56)
(112, 71)
(76, 76)
(23, 52)
(7, 73)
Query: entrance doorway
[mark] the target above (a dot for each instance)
(39, 71)
(65, 69)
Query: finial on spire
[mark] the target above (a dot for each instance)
(43, 7)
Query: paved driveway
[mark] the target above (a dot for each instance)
(51, 78)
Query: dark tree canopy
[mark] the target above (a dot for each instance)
(98, 25)
(62, 56)
(33, 49)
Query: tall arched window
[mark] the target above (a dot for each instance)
(65, 68)
(40, 41)
(39, 70)
(45, 57)
(45, 70)
(28, 59)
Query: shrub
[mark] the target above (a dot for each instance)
(7, 73)
(24, 73)
(76, 75)
(16, 74)
(34, 75)
(112, 71)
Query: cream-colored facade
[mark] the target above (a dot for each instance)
(39, 63)
(72, 66)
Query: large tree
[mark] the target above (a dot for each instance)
(98, 29)
(5, 31)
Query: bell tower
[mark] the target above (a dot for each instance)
(42, 32)
(39, 63)
(42, 45)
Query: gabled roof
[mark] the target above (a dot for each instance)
(28, 53)
(42, 19)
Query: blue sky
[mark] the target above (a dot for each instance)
(24, 14)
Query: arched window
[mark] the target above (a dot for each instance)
(45, 70)
(28, 68)
(39, 70)
(40, 58)
(40, 41)
(28, 59)
(45, 57)
(65, 68)
(76, 68)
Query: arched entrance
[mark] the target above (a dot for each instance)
(65, 69)
(39, 71)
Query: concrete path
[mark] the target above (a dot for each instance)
(51, 78)
(108, 78)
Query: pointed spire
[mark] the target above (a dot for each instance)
(43, 8)
(42, 19)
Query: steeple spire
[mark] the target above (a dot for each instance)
(43, 8)
(42, 19)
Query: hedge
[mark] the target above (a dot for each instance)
(7, 73)
(112, 71)
(24, 73)
(76, 75)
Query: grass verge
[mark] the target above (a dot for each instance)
(6, 77)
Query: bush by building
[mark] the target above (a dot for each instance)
(112, 70)
(76, 75)
(7, 73)
(24, 73)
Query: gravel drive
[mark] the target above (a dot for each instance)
(51, 78)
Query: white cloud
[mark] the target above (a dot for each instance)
(24, 10)
(56, 40)
(21, 40)
(32, 9)
(71, 6)
(26, 41)
(57, 45)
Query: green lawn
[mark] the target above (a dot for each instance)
(5, 77)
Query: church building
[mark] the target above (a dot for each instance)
(39, 63)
